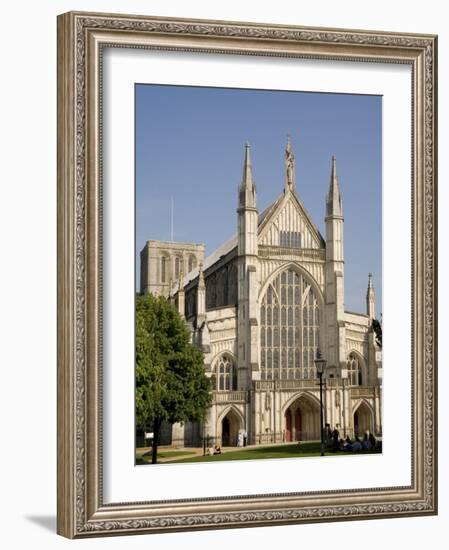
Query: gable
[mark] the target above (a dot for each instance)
(288, 224)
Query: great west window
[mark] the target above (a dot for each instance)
(289, 328)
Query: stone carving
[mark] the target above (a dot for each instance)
(267, 401)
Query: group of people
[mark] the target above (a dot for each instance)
(336, 443)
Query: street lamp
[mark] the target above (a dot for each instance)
(320, 365)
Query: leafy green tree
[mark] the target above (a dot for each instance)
(171, 384)
(377, 327)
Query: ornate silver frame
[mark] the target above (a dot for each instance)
(81, 37)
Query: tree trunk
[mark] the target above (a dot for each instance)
(156, 431)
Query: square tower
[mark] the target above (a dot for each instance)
(162, 262)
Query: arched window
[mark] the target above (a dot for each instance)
(226, 374)
(211, 291)
(177, 267)
(289, 328)
(164, 261)
(354, 369)
(192, 263)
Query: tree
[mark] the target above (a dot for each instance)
(377, 327)
(171, 384)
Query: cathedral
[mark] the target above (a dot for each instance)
(262, 307)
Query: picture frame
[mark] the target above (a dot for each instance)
(82, 40)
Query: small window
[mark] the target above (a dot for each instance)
(290, 239)
(163, 269)
(354, 370)
(192, 263)
(226, 374)
(179, 267)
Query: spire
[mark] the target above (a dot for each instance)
(201, 283)
(247, 180)
(334, 168)
(333, 200)
(247, 190)
(181, 292)
(289, 166)
(370, 299)
(201, 297)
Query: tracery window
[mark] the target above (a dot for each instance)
(190, 303)
(232, 284)
(289, 328)
(226, 374)
(211, 291)
(354, 370)
(221, 290)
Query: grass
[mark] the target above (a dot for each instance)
(140, 459)
(293, 450)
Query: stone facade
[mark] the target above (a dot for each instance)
(162, 262)
(261, 306)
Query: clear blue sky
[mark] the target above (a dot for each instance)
(190, 146)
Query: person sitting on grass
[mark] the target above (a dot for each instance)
(366, 443)
(357, 445)
(217, 450)
(372, 440)
(347, 445)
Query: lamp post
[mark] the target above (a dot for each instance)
(320, 365)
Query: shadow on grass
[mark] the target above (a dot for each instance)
(289, 450)
(145, 458)
(293, 450)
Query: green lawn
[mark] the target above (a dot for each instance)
(309, 448)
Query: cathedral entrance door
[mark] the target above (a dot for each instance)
(288, 425)
(225, 432)
(362, 420)
(302, 419)
(230, 427)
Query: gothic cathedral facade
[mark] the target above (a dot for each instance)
(261, 307)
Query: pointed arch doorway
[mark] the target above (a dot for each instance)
(363, 420)
(302, 420)
(230, 426)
